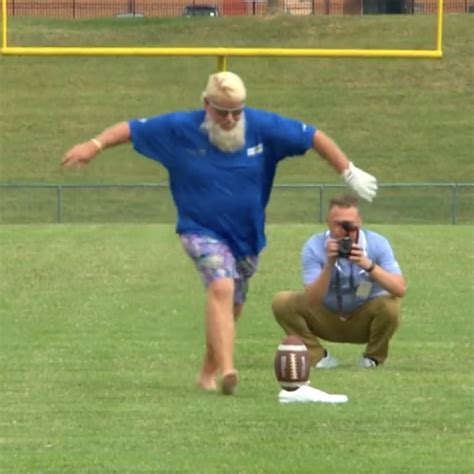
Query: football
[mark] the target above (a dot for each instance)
(292, 367)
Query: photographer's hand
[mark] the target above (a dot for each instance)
(358, 257)
(332, 250)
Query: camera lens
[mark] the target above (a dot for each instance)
(344, 247)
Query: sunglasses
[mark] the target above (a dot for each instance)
(224, 112)
(348, 226)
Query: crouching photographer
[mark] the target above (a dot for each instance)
(353, 286)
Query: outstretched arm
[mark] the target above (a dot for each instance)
(326, 147)
(364, 184)
(80, 155)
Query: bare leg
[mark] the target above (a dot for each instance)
(207, 376)
(210, 368)
(238, 308)
(220, 333)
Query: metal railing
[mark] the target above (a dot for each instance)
(433, 203)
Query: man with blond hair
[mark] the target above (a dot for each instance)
(352, 290)
(221, 163)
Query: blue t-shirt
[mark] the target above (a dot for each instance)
(222, 195)
(348, 275)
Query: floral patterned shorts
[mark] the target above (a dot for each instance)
(214, 260)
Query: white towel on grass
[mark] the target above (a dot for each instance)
(308, 394)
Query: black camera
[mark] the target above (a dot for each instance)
(345, 244)
(344, 247)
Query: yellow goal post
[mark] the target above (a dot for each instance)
(222, 53)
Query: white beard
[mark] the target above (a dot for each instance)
(226, 140)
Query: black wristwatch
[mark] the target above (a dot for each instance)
(372, 266)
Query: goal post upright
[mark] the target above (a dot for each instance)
(439, 28)
(4, 25)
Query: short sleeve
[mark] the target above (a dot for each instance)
(149, 136)
(312, 262)
(385, 257)
(286, 136)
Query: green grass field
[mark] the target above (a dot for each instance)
(102, 338)
(101, 330)
(406, 121)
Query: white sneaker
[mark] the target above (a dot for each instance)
(367, 363)
(327, 362)
(306, 394)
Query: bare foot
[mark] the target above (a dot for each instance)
(229, 383)
(208, 384)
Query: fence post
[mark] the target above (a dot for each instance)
(321, 204)
(58, 205)
(454, 209)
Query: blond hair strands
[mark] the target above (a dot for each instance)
(225, 85)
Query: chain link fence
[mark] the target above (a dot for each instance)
(412, 203)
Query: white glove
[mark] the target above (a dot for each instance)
(364, 184)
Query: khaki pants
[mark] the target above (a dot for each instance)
(373, 323)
